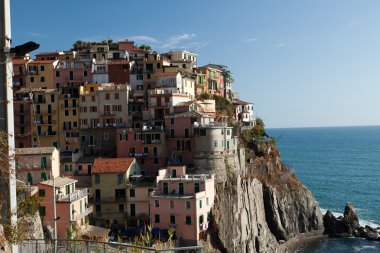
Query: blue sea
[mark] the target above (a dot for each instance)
(338, 165)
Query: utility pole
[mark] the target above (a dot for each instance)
(54, 214)
(6, 110)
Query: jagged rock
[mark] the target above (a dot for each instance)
(349, 223)
(350, 220)
(250, 215)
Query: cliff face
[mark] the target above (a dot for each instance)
(257, 204)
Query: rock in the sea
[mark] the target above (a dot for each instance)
(350, 219)
(348, 224)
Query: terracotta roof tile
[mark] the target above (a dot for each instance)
(42, 61)
(112, 165)
(18, 61)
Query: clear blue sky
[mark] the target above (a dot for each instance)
(303, 63)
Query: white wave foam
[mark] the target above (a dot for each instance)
(360, 248)
(362, 222)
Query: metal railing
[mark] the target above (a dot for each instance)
(82, 246)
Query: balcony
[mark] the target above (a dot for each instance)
(46, 112)
(24, 123)
(52, 133)
(40, 101)
(120, 199)
(44, 122)
(108, 113)
(78, 216)
(20, 112)
(78, 194)
(33, 72)
(138, 155)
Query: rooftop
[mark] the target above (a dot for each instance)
(166, 74)
(240, 102)
(59, 181)
(35, 151)
(112, 165)
(190, 113)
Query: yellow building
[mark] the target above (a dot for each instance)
(41, 74)
(45, 118)
(69, 118)
(110, 177)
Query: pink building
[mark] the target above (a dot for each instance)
(180, 131)
(147, 145)
(69, 72)
(182, 202)
(71, 205)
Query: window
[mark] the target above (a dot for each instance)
(42, 79)
(80, 167)
(107, 96)
(196, 187)
(172, 219)
(155, 161)
(202, 132)
(121, 208)
(171, 204)
(188, 205)
(32, 79)
(98, 208)
(172, 133)
(156, 218)
(42, 211)
(142, 161)
(116, 95)
(228, 131)
(158, 65)
(97, 179)
(42, 68)
(30, 178)
(85, 73)
(41, 192)
(132, 193)
(188, 220)
(215, 144)
(133, 210)
(66, 112)
(200, 204)
(57, 73)
(156, 203)
(43, 176)
(201, 219)
(166, 188)
(105, 136)
(74, 112)
(120, 178)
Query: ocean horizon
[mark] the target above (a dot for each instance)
(338, 164)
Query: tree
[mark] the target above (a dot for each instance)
(227, 74)
(145, 47)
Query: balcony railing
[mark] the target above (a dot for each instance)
(110, 199)
(77, 216)
(108, 113)
(73, 196)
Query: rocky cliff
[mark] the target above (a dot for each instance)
(259, 203)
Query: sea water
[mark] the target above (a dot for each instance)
(338, 165)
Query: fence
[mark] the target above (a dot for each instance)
(83, 246)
